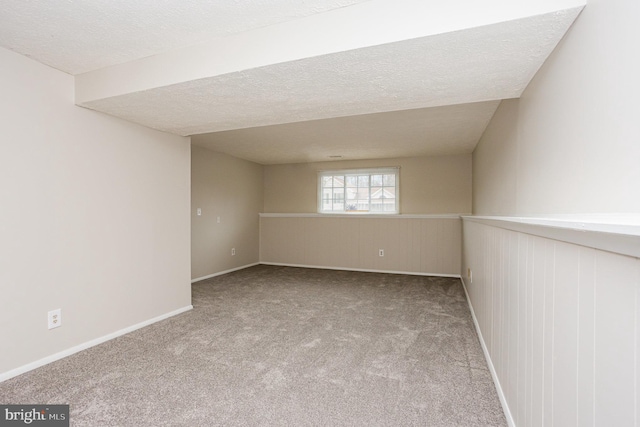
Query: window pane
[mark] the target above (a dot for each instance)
(338, 199)
(363, 205)
(327, 199)
(363, 193)
(389, 205)
(355, 191)
(376, 193)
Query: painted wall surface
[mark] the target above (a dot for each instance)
(560, 320)
(414, 245)
(561, 323)
(428, 185)
(570, 143)
(495, 163)
(94, 217)
(231, 189)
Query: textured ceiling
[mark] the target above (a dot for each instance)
(278, 81)
(80, 36)
(426, 131)
(480, 64)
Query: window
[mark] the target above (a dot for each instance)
(359, 191)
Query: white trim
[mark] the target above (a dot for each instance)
(360, 216)
(621, 238)
(594, 218)
(487, 356)
(395, 170)
(364, 270)
(220, 273)
(68, 352)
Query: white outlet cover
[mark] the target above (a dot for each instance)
(54, 318)
(199, 211)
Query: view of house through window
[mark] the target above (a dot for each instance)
(358, 191)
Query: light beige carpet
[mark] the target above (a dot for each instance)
(279, 346)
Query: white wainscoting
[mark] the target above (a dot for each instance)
(560, 322)
(415, 244)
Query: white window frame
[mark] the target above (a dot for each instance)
(367, 171)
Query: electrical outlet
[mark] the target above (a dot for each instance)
(54, 318)
(233, 251)
(199, 211)
(218, 220)
(380, 252)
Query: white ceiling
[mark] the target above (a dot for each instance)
(282, 81)
(80, 36)
(452, 129)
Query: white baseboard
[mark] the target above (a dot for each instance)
(487, 356)
(68, 352)
(364, 270)
(220, 273)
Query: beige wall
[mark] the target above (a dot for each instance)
(411, 245)
(94, 217)
(230, 188)
(428, 185)
(560, 320)
(495, 163)
(570, 144)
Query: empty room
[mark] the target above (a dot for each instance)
(328, 213)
